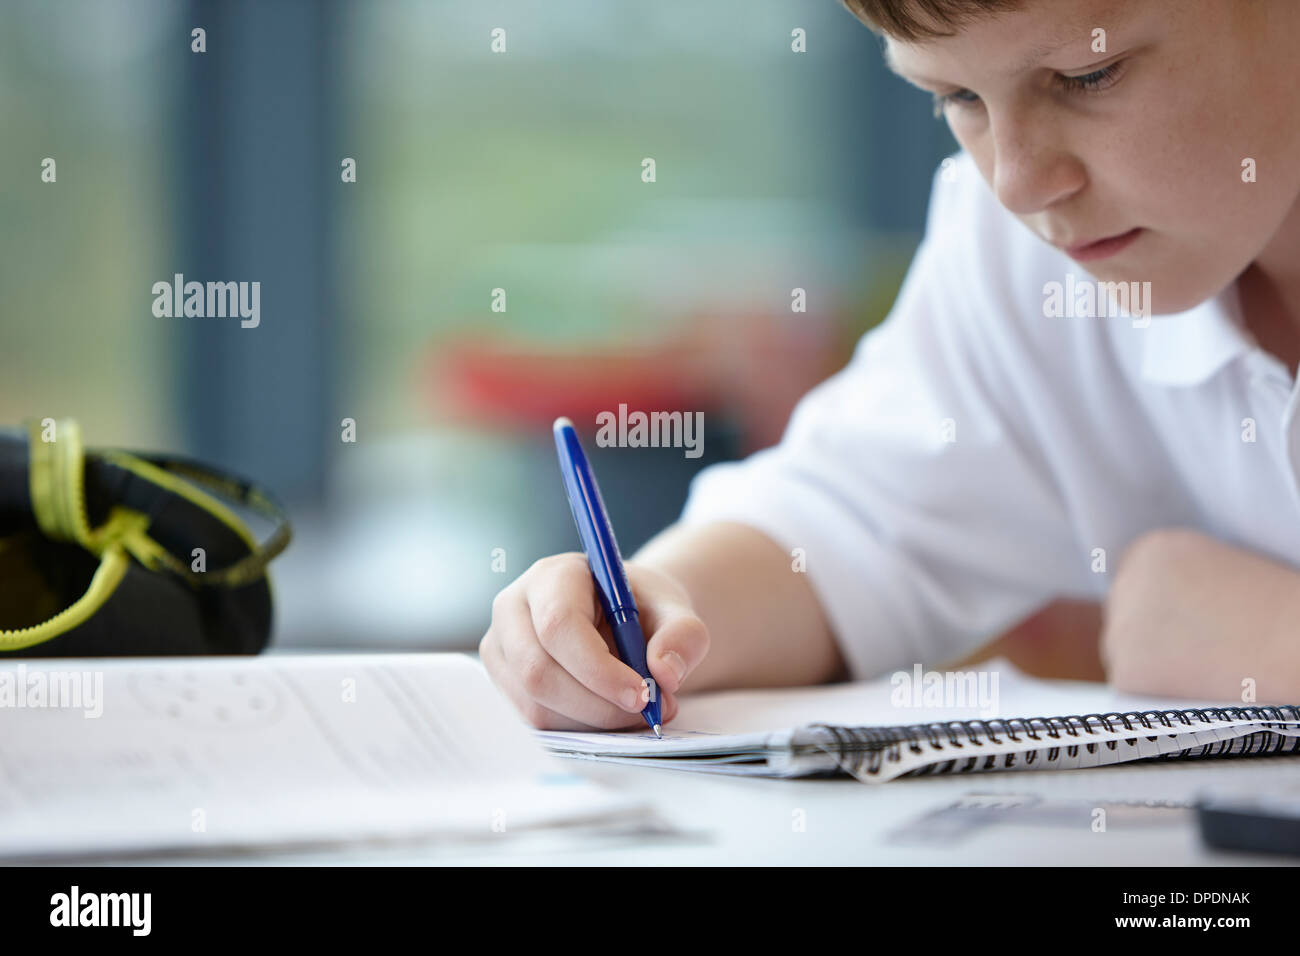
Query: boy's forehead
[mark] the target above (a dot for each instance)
(1029, 34)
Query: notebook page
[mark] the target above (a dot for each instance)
(200, 752)
(888, 703)
(746, 720)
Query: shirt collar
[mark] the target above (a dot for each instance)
(1186, 348)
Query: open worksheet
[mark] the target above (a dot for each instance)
(114, 756)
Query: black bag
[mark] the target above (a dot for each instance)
(108, 553)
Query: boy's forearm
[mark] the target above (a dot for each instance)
(1190, 616)
(766, 626)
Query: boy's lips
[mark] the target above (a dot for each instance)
(1101, 248)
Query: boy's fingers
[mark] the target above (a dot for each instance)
(568, 637)
(536, 714)
(541, 678)
(544, 691)
(669, 702)
(544, 650)
(546, 718)
(678, 642)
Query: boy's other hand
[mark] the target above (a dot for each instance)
(1191, 616)
(550, 651)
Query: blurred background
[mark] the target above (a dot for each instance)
(475, 170)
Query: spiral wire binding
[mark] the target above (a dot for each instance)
(866, 751)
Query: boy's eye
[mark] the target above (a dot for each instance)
(1093, 82)
(960, 98)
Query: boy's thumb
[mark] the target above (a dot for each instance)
(675, 648)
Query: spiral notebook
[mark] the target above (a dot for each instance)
(879, 731)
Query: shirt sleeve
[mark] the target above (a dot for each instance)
(927, 521)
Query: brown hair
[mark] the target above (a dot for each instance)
(910, 20)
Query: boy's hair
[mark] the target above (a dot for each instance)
(911, 20)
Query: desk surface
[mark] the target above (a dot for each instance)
(716, 820)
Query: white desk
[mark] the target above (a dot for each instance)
(731, 821)
(712, 819)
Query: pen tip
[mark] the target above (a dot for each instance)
(656, 729)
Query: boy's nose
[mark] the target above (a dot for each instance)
(1032, 171)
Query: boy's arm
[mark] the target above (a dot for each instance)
(1190, 616)
(766, 625)
(910, 509)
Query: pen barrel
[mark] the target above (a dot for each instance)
(625, 625)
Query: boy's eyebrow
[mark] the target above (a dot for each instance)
(1042, 51)
(1032, 59)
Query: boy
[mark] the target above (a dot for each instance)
(996, 442)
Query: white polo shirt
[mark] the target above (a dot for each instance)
(976, 459)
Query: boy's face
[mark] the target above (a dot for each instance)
(1148, 137)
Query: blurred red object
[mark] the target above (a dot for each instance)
(751, 368)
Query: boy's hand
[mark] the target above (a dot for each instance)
(1190, 616)
(550, 651)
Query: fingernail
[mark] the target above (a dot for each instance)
(676, 665)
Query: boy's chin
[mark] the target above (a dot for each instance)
(1180, 297)
(1167, 295)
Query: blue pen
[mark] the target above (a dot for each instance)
(606, 563)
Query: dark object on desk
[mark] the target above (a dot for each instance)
(1251, 822)
(105, 553)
